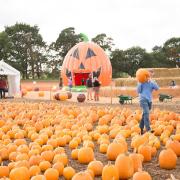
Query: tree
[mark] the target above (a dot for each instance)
(104, 42)
(26, 49)
(172, 50)
(66, 40)
(159, 58)
(136, 58)
(118, 62)
(5, 46)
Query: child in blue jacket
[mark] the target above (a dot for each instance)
(145, 98)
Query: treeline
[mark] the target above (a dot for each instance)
(23, 47)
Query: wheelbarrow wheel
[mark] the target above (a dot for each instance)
(161, 99)
(121, 102)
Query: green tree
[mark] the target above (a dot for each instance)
(118, 62)
(136, 58)
(26, 49)
(104, 42)
(172, 50)
(5, 46)
(66, 40)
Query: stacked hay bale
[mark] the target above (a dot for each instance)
(163, 76)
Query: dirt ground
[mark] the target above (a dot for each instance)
(152, 167)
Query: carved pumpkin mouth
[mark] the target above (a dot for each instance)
(83, 70)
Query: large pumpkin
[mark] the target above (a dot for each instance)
(85, 58)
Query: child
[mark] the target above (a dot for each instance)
(145, 96)
(70, 83)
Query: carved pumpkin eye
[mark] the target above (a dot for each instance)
(90, 53)
(75, 54)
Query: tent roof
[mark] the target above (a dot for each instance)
(6, 69)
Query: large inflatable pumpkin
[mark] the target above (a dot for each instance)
(83, 59)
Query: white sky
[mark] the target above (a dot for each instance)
(144, 23)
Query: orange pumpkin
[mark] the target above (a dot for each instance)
(114, 149)
(60, 167)
(145, 150)
(142, 75)
(51, 174)
(142, 175)
(85, 58)
(174, 145)
(82, 176)
(4, 171)
(110, 172)
(85, 155)
(19, 173)
(68, 172)
(125, 166)
(96, 167)
(167, 159)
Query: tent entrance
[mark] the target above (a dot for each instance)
(79, 78)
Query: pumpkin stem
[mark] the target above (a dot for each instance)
(84, 37)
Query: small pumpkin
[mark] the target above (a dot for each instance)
(60, 167)
(110, 172)
(137, 161)
(68, 172)
(167, 159)
(125, 166)
(51, 174)
(81, 98)
(41, 94)
(82, 176)
(174, 145)
(4, 171)
(34, 170)
(85, 155)
(96, 167)
(142, 175)
(145, 150)
(114, 149)
(21, 172)
(44, 165)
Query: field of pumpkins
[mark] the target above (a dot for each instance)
(40, 140)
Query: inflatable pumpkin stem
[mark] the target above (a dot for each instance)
(84, 37)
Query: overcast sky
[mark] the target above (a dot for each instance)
(130, 23)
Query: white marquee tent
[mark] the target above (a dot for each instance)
(13, 78)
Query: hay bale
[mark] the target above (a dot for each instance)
(166, 72)
(132, 82)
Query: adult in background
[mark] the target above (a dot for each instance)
(145, 97)
(3, 87)
(96, 85)
(89, 86)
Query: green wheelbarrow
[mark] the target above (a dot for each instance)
(163, 97)
(125, 99)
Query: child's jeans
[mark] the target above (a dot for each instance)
(146, 106)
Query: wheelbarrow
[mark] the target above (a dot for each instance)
(163, 97)
(125, 99)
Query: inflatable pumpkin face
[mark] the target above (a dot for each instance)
(83, 59)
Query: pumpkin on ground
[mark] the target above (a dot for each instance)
(110, 172)
(142, 175)
(96, 167)
(167, 159)
(85, 155)
(125, 166)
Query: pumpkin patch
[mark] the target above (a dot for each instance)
(52, 140)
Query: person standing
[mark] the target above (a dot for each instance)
(89, 86)
(70, 83)
(3, 87)
(96, 85)
(145, 99)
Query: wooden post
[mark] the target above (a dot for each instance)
(111, 91)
